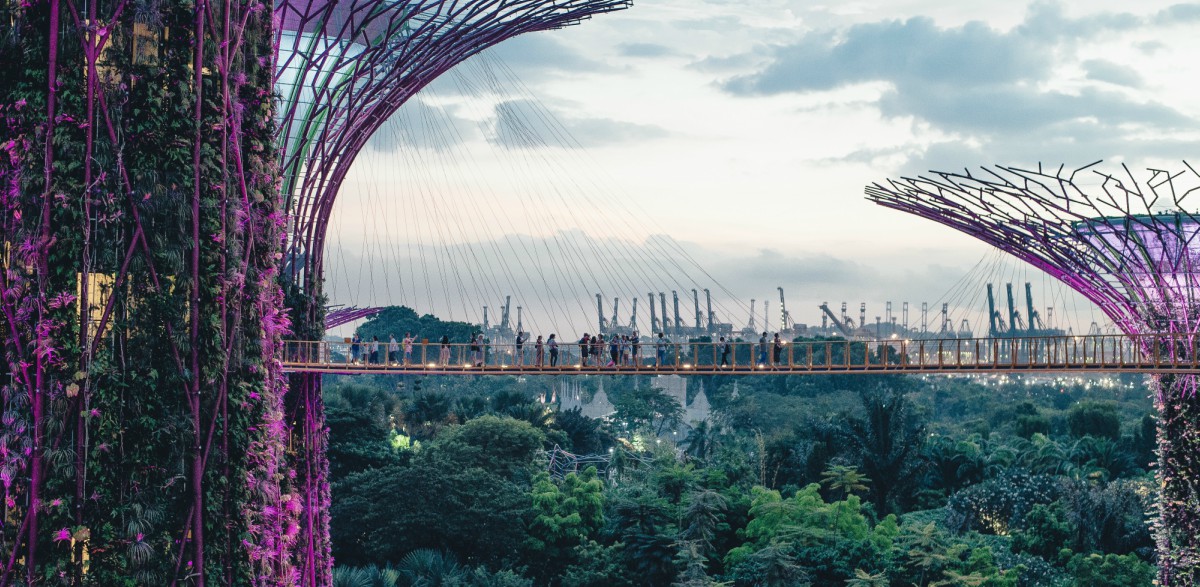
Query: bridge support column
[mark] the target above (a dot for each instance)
(1177, 527)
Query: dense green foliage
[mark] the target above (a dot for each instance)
(795, 480)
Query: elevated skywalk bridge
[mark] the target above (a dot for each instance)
(1160, 353)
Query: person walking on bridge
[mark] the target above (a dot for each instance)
(583, 349)
(392, 348)
(777, 346)
(408, 348)
(520, 344)
(539, 352)
(355, 348)
(724, 352)
(762, 350)
(374, 350)
(660, 349)
(444, 353)
(553, 344)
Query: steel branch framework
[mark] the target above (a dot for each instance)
(345, 67)
(1131, 247)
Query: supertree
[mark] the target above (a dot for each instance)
(344, 67)
(1129, 246)
(140, 306)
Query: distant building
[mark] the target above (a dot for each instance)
(571, 395)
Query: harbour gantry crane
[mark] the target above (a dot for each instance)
(601, 322)
(838, 323)
(614, 322)
(505, 330)
(678, 320)
(654, 325)
(993, 315)
(1015, 324)
(785, 320)
(633, 317)
(662, 297)
(708, 306)
(696, 303)
(1035, 319)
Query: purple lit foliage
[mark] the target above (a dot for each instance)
(1132, 248)
(140, 235)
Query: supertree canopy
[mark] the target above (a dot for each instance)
(1131, 247)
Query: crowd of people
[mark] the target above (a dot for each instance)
(619, 350)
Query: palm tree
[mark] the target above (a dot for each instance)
(864, 579)
(925, 549)
(845, 479)
(887, 440)
(699, 441)
(778, 568)
(704, 512)
(426, 413)
(538, 415)
(426, 567)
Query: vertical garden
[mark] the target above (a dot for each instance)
(141, 433)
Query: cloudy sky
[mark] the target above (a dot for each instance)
(725, 144)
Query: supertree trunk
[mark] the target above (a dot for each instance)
(140, 306)
(1177, 527)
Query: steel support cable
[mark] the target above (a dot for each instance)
(445, 132)
(534, 140)
(639, 261)
(465, 87)
(573, 146)
(438, 208)
(479, 259)
(421, 196)
(664, 252)
(551, 16)
(415, 196)
(498, 213)
(587, 255)
(381, 235)
(605, 255)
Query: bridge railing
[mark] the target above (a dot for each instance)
(1112, 352)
